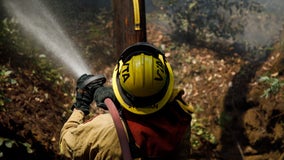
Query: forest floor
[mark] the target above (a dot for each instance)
(232, 119)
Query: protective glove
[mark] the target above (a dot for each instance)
(101, 94)
(86, 87)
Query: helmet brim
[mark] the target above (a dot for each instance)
(143, 110)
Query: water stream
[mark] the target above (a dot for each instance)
(38, 22)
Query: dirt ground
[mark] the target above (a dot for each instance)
(227, 96)
(224, 89)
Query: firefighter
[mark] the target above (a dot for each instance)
(155, 117)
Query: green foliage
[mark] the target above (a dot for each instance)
(11, 39)
(5, 80)
(200, 135)
(5, 76)
(98, 32)
(47, 71)
(204, 21)
(15, 44)
(101, 27)
(10, 143)
(7, 34)
(274, 85)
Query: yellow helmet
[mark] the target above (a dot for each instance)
(142, 79)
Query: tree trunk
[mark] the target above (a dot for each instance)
(129, 23)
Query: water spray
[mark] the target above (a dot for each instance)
(38, 22)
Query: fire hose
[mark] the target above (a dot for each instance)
(99, 80)
(119, 129)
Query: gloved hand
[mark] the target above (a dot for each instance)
(101, 94)
(86, 87)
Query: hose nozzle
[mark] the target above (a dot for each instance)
(93, 79)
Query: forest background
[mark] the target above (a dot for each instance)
(226, 55)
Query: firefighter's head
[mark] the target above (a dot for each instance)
(142, 79)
